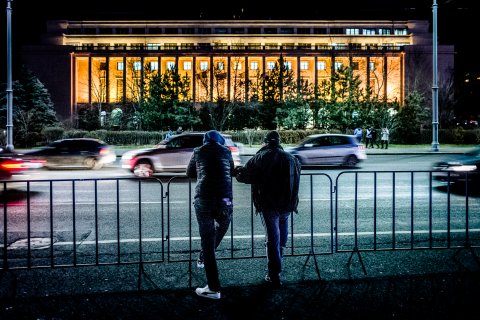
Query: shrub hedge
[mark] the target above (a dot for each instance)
(248, 136)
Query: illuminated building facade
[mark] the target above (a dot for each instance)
(87, 62)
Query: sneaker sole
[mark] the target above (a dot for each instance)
(207, 296)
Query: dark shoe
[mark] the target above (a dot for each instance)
(275, 283)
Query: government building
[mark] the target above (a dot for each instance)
(89, 62)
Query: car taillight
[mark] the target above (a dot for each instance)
(104, 151)
(13, 165)
(233, 149)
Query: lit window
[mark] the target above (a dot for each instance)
(303, 65)
(220, 66)
(254, 65)
(400, 32)
(270, 65)
(338, 65)
(368, 31)
(352, 31)
(371, 66)
(203, 65)
(170, 65)
(137, 65)
(153, 46)
(187, 65)
(154, 65)
(321, 65)
(287, 65)
(384, 31)
(120, 66)
(238, 66)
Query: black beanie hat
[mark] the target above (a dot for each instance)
(272, 137)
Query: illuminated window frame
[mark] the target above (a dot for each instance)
(137, 65)
(321, 65)
(270, 65)
(187, 65)
(352, 31)
(120, 66)
(203, 65)
(170, 65)
(153, 65)
(304, 65)
(254, 65)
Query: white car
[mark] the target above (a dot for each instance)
(329, 149)
(171, 155)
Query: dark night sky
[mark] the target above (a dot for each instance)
(34, 13)
(456, 21)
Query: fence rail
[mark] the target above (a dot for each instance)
(118, 221)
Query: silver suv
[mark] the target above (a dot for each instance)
(329, 149)
(170, 155)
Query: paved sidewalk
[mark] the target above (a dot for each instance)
(441, 284)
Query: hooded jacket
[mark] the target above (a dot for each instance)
(212, 165)
(275, 177)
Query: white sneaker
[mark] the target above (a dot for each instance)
(207, 293)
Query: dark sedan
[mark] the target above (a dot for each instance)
(460, 169)
(73, 153)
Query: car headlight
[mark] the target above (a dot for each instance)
(464, 168)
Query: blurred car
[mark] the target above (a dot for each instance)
(170, 155)
(10, 164)
(459, 168)
(329, 150)
(73, 153)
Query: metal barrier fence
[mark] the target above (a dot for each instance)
(118, 221)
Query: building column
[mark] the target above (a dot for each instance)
(124, 83)
(298, 76)
(194, 82)
(211, 78)
(246, 78)
(89, 80)
(385, 80)
(229, 79)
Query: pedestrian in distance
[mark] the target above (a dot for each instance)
(275, 177)
(358, 132)
(169, 134)
(368, 137)
(212, 165)
(374, 138)
(179, 130)
(385, 137)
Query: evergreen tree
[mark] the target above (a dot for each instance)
(32, 109)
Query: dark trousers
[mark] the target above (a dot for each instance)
(213, 222)
(276, 228)
(385, 142)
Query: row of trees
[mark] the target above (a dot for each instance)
(159, 101)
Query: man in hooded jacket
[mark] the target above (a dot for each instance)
(212, 165)
(275, 177)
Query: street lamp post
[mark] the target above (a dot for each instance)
(435, 143)
(9, 145)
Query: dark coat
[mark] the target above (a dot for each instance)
(275, 177)
(212, 165)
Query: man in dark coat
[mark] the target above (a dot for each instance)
(212, 165)
(275, 177)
